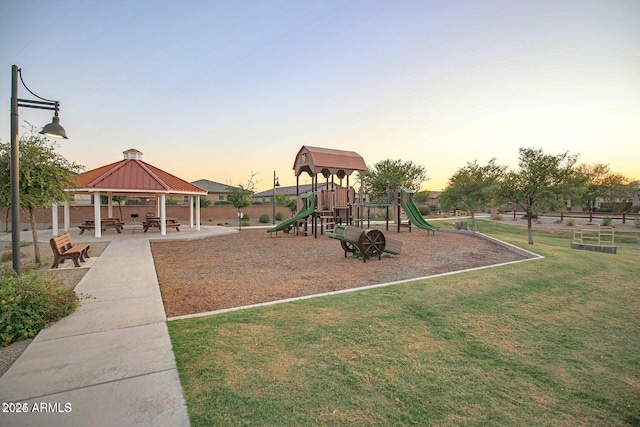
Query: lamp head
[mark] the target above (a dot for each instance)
(54, 129)
(277, 184)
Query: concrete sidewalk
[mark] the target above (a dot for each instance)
(110, 363)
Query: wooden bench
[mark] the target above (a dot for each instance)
(64, 249)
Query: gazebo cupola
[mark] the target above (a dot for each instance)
(132, 154)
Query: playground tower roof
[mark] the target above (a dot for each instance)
(326, 161)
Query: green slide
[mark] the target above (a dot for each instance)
(412, 211)
(308, 202)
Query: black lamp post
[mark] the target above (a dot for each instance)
(52, 129)
(273, 199)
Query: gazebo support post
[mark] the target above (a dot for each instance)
(197, 213)
(163, 214)
(67, 217)
(97, 214)
(110, 205)
(54, 219)
(190, 211)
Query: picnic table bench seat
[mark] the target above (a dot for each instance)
(64, 249)
(155, 222)
(116, 223)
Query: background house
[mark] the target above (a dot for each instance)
(216, 192)
(267, 196)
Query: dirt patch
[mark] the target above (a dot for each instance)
(251, 267)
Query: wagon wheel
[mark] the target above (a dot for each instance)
(372, 243)
(348, 247)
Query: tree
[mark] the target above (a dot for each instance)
(119, 200)
(390, 176)
(242, 195)
(422, 197)
(472, 186)
(288, 201)
(593, 176)
(541, 183)
(43, 176)
(602, 184)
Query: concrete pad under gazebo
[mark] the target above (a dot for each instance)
(131, 176)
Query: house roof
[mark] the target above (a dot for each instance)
(315, 160)
(212, 186)
(132, 175)
(291, 190)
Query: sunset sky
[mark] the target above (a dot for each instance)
(220, 89)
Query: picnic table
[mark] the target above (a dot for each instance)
(155, 222)
(105, 223)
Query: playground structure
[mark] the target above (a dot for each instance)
(322, 210)
(594, 237)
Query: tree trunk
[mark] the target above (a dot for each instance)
(34, 234)
(530, 228)
(473, 222)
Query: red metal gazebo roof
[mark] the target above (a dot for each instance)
(132, 175)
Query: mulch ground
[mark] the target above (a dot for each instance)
(251, 267)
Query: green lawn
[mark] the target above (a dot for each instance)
(551, 342)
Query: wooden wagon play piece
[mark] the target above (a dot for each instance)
(364, 244)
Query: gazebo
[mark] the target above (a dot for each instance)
(131, 176)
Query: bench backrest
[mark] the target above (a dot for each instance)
(61, 242)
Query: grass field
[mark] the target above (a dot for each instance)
(551, 342)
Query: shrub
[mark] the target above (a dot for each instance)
(606, 221)
(279, 216)
(571, 222)
(264, 218)
(30, 302)
(246, 223)
(636, 221)
(424, 210)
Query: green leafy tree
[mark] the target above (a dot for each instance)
(242, 195)
(602, 184)
(43, 175)
(541, 183)
(204, 202)
(422, 197)
(119, 200)
(593, 177)
(288, 201)
(618, 189)
(389, 176)
(472, 186)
